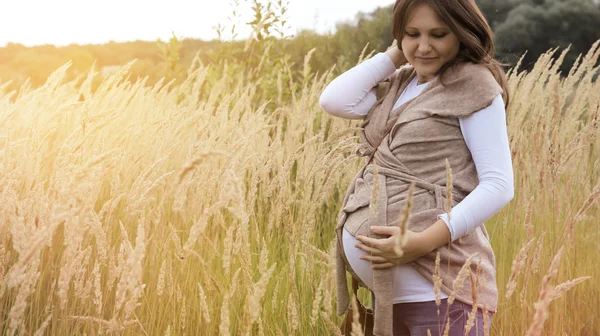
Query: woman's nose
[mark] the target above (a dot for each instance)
(424, 46)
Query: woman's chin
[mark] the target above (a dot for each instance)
(427, 67)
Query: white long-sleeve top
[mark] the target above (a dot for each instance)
(352, 94)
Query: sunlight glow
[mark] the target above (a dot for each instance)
(62, 22)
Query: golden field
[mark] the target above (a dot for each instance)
(157, 210)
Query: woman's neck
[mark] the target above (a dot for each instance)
(421, 81)
(422, 78)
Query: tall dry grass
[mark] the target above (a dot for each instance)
(155, 210)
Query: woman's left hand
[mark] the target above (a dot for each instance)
(381, 251)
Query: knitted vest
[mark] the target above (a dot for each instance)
(426, 132)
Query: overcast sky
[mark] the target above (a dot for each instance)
(62, 22)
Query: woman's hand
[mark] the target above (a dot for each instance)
(396, 55)
(380, 252)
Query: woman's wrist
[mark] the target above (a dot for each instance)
(435, 236)
(397, 56)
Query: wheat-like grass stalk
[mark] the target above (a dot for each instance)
(182, 313)
(25, 290)
(203, 304)
(2, 269)
(253, 302)
(559, 290)
(316, 304)
(401, 238)
(275, 297)
(227, 249)
(225, 324)
(449, 187)
(97, 289)
(292, 313)
(544, 298)
(43, 326)
(327, 299)
(195, 233)
(486, 320)
(460, 278)
(535, 262)
(571, 224)
(160, 285)
(517, 266)
(263, 261)
(331, 327)
(474, 280)
(528, 219)
(197, 161)
(447, 327)
(437, 283)
(356, 325)
(82, 288)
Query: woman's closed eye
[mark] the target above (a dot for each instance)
(413, 35)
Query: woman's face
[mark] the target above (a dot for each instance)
(428, 43)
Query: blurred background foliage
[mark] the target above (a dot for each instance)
(528, 27)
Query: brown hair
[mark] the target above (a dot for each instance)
(469, 25)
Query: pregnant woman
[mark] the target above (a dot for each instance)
(437, 95)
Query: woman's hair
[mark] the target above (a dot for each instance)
(470, 27)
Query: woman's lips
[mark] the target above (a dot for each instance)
(426, 60)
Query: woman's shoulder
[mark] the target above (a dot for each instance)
(473, 74)
(467, 88)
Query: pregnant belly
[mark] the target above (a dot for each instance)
(409, 285)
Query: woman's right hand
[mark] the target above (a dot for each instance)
(396, 55)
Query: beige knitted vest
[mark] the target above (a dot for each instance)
(425, 133)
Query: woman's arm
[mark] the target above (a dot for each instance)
(352, 94)
(487, 139)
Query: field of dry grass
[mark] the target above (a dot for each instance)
(142, 210)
